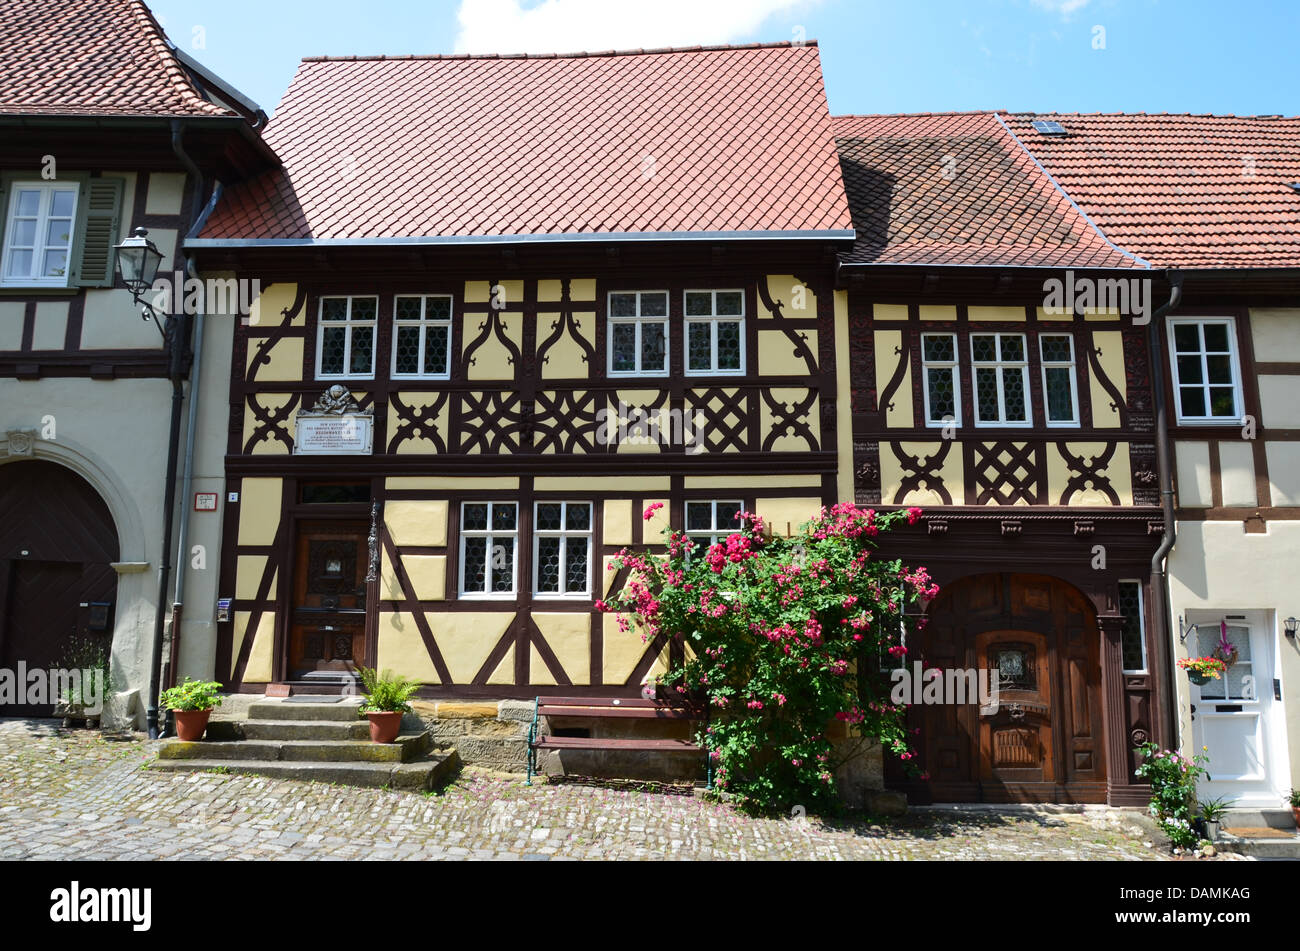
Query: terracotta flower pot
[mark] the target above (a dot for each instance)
(1295, 815)
(190, 724)
(384, 727)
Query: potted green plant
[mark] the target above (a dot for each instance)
(193, 702)
(1201, 670)
(386, 701)
(1212, 812)
(89, 684)
(1293, 799)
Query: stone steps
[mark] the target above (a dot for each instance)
(406, 748)
(321, 742)
(429, 772)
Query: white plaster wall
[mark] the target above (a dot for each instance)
(1218, 566)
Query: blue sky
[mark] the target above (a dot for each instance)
(878, 55)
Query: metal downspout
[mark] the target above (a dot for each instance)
(1159, 574)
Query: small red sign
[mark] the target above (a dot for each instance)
(205, 501)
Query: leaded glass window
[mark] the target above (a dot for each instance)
(489, 533)
(1057, 353)
(638, 333)
(562, 546)
(715, 332)
(708, 523)
(345, 342)
(1001, 376)
(422, 337)
(1133, 639)
(939, 366)
(1206, 376)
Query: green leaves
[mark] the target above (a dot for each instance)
(192, 695)
(386, 692)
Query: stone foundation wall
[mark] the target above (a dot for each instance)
(488, 733)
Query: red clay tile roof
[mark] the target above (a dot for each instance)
(1185, 191)
(703, 139)
(947, 189)
(91, 58)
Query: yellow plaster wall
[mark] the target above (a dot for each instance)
(417, 522)
(886, 311)
(777, 355)
(843, 398)
(995, 313)
(892, 472)
(268, 310)
(791, 442)
(899, 410)
(258, 669)
(427, 574)
(259, 510)
(618, 521)
(466, 639)
(620, 652)
(285, 360)
(778, 513)
(565, 359)
(248, 576)
(782, 288)
(449, 483)
(490, 359)
(569, 637)
(269, 445)
(420, 400)
(402, 650)
(1118, 471)
(1111, 358)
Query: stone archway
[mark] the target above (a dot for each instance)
(58, 544)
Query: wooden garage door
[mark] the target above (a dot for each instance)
(57, 545)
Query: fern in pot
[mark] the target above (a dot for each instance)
(387, 697)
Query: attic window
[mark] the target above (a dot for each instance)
(1048, 127)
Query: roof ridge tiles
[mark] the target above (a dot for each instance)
(575, 54)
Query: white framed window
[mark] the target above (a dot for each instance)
(39, 224)
(345, 338)
(1000, 378)
(715, 332)
(1207, 377)
(489, 549)
(422, 337)
(562, 549)
(1237, 683)
(1060, 386)
(941, 379)
(1133, 638)
(638, 333)
(709, 522)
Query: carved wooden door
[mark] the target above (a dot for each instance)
(1015, 738)
(328, 625)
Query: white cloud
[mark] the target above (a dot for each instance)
(1066, 8)
(568, 26)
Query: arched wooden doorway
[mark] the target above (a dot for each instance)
(1045, 741)
(57, 583)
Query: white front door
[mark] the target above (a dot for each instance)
(1236, 716)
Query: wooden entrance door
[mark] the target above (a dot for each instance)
(328, 615)
(57, 584)
(1045, 741)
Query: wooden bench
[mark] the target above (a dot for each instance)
(607, 708)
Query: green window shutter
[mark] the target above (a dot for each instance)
(98, 218)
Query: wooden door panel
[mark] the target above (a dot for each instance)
(327, 630)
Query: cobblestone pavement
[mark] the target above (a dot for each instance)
(77, 794)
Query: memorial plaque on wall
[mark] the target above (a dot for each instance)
(335, 426)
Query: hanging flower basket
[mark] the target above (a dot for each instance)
(1201, 670)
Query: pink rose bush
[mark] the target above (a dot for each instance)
(785, 641)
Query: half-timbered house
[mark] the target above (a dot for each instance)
(106, 126)
(1215, 201)
(517, 313)
(1021, 420)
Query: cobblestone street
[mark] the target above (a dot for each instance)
(78, 795)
